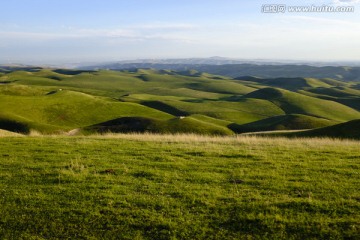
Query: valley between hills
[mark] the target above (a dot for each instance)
(63, 101)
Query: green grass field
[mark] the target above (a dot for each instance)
(178, 187)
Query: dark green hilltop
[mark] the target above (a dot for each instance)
(52, 101)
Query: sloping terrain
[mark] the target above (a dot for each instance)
(65, 110)
(347, 130)
(292, 84)
(293, 103)
(283, 122)
(148, 125)
(165, 101)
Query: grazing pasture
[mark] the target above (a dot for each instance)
(144, 186)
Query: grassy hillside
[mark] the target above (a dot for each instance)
(65, 110)
(283, 122)
(241, 111)
(337, 92)
(293, 103)
(178, 187)
(292, 84)
(222, 87)
(149, 125)
(349, 130)
(59, 100)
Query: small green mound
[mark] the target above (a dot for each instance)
(47, 73)
(248, 78)
(123, 125)
(283, 122)
(349, 130)
(71, 71)
(266, 94)
(142, 124)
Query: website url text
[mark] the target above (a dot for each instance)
(283, 8)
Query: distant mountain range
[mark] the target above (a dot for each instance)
(345, 71)
(223, 61)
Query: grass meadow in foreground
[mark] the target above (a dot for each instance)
(178, 187)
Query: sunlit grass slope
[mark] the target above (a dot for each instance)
(283, 122)
(65, 110)
(292, 84)
(241, 111)
(150, 125)
(295, 103)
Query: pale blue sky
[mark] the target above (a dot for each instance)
(59, 31)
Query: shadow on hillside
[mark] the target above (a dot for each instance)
(14, 126)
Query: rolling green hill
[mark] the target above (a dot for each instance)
(292, 84)
(347, 130)
(149, 125)
(60, 100)
(241, 111)
(283, 122)
(295, 103)
(65, 110)
(337, 92)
